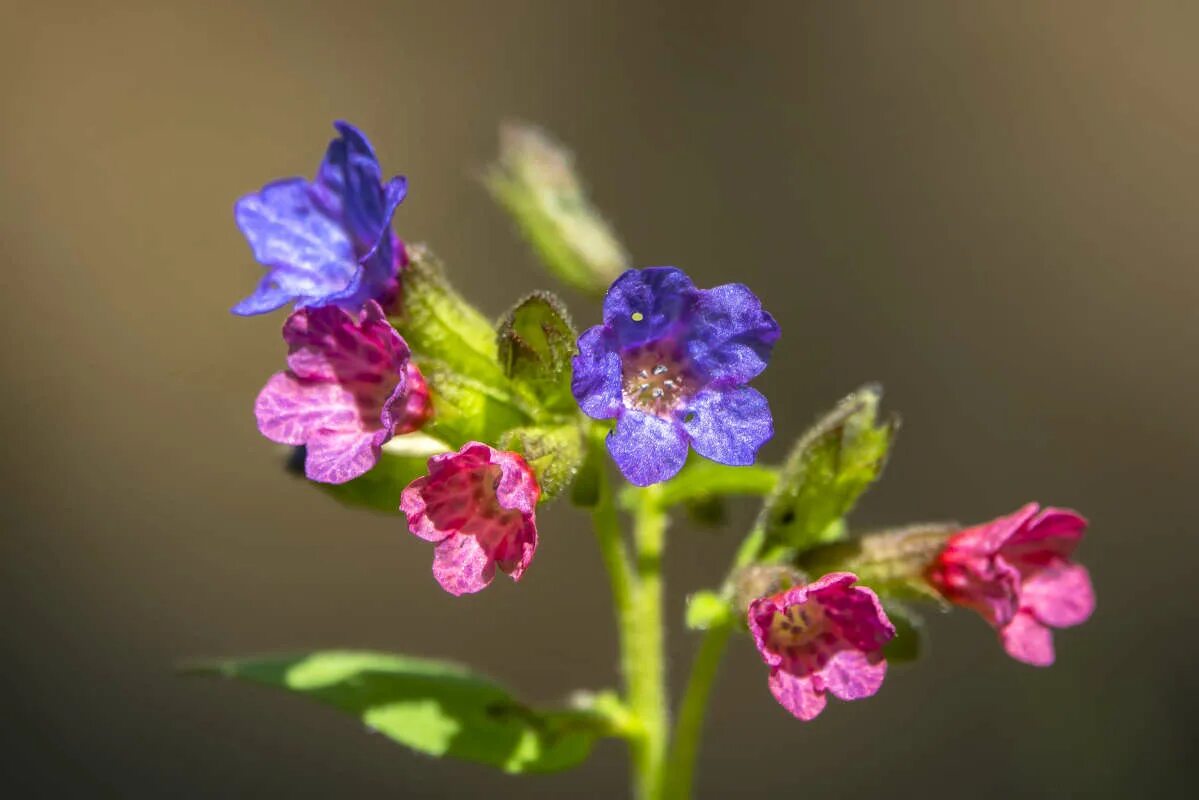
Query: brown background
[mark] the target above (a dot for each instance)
(987, 206)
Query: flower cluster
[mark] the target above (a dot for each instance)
(1016, 572)
(380, 346)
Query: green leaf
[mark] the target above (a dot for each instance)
(535, 343)
(554, 453)
(433, 707)
(701, 479)
(535, 181)
(706, 609)
(829, 467)
(909, 634)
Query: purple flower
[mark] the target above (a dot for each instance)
(479, 506)
(349, 387)
(827, 636)
(327, 241)
(670, 363)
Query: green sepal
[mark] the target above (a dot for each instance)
(908, 643)
(535, 342)
(554, 453)
(535, 182)
(893, 562)
(440, 325)
(466, 409)
(585, 490)
(433, 707)
(827, 470)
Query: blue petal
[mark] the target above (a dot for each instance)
(644, 304)
(595, 381)
(289, 231)
(729, 425)
(647, 449)
(731, 335)
(266, 298)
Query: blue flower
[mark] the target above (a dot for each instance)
(327, 241)
(670, 363)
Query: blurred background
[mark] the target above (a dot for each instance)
(988, 207)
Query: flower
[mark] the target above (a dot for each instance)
(825, 636)
(670, 363)
(349, 387)
(1016, 572)
(479, 507)
(327, 241)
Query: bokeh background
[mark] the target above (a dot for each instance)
(988, 206)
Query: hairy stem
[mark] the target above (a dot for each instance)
(689, 728)
(646, 676)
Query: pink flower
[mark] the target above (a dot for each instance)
(479, 506)
(349, 387)
(825, 636)
(1016, 572)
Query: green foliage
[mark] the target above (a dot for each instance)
(433, 707)
(535, 343)
(554, 453)
(707, 609)
(829, 467)
(701, 479)
(466, 409)
(892, 562)
(534, 180)
(585, 490)
(909, 634)
(440, 325)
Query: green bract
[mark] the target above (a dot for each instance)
(829, 467)
(534, 180)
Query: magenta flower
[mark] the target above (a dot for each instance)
(348, 388)
(479, 507)
(825, 636)
(1016, 572)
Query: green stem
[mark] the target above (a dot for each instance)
(645, 665)
(690, 725)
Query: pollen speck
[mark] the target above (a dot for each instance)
(638, 316)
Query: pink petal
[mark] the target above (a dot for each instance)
(412, 503)
(1027, 640)
(1059, 595)
(461, 565)
(337, 458)
(1054, 534)
(288, 410)
(852, 674)
(796, 694)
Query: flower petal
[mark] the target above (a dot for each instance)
(289, 410)
(341, 457)
(731, 335)
(643, 304)
(729, 425)
(595, 382)
(1027, 640)
(852, 674)
(647, 449)
(796, 693)
(461, 565)
(1060, 595)
(311, 253)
